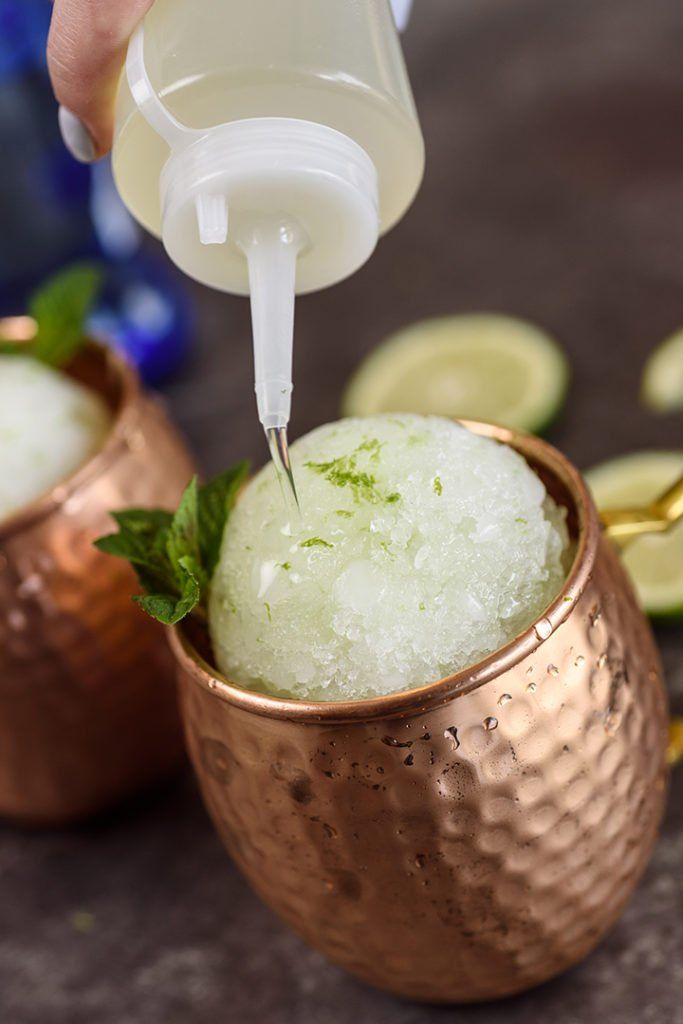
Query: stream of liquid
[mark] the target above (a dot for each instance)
(279, 453)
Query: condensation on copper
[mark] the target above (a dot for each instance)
(30, 585)
(73, 505)
(135, 440)
(16, 620)
(523, 811)
(543, 628)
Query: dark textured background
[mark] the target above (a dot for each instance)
(554, 190)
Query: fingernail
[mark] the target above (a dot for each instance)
(76, 136)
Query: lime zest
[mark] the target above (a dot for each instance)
(345, 472)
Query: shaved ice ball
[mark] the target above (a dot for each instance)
(421, 548)
(49, 425)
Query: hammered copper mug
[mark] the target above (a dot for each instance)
(88, 706)
(472, 838)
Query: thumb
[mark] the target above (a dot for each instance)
(85, 52)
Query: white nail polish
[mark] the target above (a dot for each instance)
(76, 136)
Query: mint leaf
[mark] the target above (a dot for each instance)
(141, 540)
(174, 554)
(182, 541)
(216, 501)
(171, 609)
(144, 521)
(60, 308)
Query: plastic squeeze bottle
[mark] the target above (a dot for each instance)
(269, 143)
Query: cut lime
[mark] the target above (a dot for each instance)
(655, 563)
(477, 366)
(662, 387)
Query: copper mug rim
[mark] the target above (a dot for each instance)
(22, 329)
(409, 702)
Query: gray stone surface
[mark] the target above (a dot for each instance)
(554, 190)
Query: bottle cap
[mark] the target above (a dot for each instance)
(221, 184)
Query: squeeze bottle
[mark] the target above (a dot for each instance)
(269, 143)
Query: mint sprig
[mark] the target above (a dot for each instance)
(175, 554)
(60, 308)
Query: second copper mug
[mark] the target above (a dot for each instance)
(472, 838)
(88, 709)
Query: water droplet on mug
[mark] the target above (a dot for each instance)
(58, 494)
(579, 661)
(32, 584)
(73, 505)
(16, 620)
(595, 615)
(451, 734)
(504, 699)
(391, 741)
(490, 723)
(135, 440)
(531, 688)
(613, 719)
(543, 629)
(553, 670)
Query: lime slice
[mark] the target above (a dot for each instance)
(477, 366)
(662, 386)
(655, 563)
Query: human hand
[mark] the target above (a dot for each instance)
(85, 52)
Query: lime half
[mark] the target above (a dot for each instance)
(655, 563)
(662, 386)
(477, 366)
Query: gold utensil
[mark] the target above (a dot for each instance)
(624, 525)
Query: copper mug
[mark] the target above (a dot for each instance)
(88, 706)
(471, 838)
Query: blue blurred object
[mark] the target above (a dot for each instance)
(54, 210)
(144, 310)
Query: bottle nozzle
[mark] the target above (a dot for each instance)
(272, 249)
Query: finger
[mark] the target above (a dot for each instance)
(85, 51)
